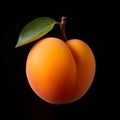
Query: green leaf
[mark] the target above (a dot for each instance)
(35, 29)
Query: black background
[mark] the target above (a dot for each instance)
(86, 23)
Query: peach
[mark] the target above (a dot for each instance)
(60, 72)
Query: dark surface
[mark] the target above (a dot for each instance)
(19, 99)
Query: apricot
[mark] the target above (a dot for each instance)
(60, 72)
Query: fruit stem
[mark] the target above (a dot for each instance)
(62, 27)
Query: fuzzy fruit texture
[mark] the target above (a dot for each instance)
(60, 72)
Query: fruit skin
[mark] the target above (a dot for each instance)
(60, 72)
(85, 65)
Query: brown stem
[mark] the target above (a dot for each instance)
(62, 27)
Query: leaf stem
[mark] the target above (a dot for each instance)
(62, 27)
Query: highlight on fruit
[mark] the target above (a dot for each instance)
(58, 70)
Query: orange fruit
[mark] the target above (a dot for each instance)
(60, 72)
